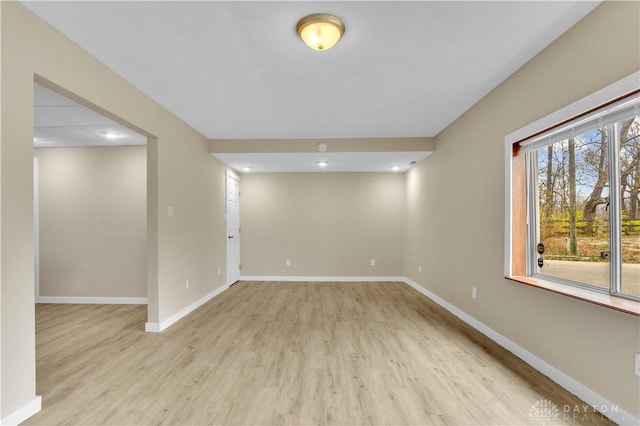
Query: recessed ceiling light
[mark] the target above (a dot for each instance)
(395, 168)
(323, 163)
(111, 135)
(246, 169)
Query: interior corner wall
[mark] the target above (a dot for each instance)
(93, 221)
(459, 240)
(189, 245)
(327, 224)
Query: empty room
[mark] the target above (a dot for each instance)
(301, 213)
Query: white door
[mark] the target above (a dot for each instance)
(233, 228)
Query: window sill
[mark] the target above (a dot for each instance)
(612, 302)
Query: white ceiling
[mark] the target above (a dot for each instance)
(236, 69)
(61, 122)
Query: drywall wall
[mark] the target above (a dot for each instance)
(93, 221)
(459, 239)
(327, 224)
(180, 173)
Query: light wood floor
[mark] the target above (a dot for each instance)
(285, 353)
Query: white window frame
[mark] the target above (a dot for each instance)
(578, 108)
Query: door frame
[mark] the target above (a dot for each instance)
(230, 277)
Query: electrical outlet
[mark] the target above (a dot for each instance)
(287, 262)
(474, 293)
(372, 262)
(219, 270)
(186, 284)
(419, 269)
(638, 364)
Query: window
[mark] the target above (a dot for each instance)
(574, 200)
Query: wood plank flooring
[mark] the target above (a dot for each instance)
(286, 353)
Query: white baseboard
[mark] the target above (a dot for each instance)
(93, 300)
(593, 399)
(154, 327)
(320, 278)
(23, 413)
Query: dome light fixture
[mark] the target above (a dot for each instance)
(320, 31)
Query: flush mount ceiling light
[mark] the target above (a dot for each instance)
(323, 163)
(320, 31)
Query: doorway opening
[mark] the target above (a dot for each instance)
(90, 205)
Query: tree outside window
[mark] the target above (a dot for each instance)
(586, 232)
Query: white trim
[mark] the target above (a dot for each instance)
(93, 300)
(619, 88)
(320, 278)
(232, 173)
(592, 398)
(154, 327)
(23, 413)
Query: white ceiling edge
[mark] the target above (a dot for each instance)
(362, 162)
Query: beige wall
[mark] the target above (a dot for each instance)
(190, 245)
(328, 224)
(455, 211)
(93, 221)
